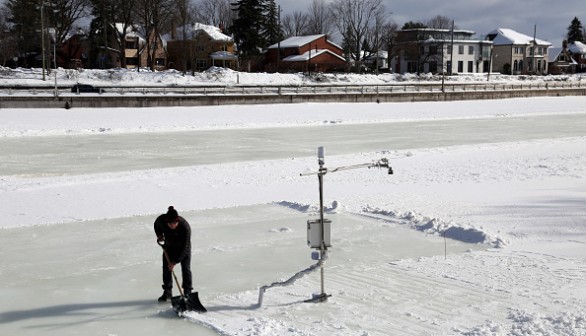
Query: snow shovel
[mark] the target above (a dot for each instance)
(183, 303)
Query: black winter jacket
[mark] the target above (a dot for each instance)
(178, 241)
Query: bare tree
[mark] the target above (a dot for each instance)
(154, 16)
(356, 20)
(294, 24)
(389, 39)
(319, 19)
(440, 22)
(112, 16)
(182, 16)
(215, 12)
(64, 14)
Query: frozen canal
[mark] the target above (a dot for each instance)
(102, 277)
(122, 152)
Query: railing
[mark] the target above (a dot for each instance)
(287, 90)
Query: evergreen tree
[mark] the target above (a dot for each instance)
(413, 25)
(25, 19)
(575, 31)
(249, 26)
(273, 30)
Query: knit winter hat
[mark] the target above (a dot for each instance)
(172, 215)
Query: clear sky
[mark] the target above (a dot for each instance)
(552, 18)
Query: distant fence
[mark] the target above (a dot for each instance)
(152, 96)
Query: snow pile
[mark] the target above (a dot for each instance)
(223, 76)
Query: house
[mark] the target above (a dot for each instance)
(435, 50)
(378, 59)
(560, 60)
(516, 53)
(578, 51)
(199, 47)
(74, 51)
(305, 53)
(139, 51)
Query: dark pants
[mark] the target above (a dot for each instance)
(185, 272)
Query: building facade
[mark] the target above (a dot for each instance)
(204, 46)
(445, 51)
(313, 53)
(518, 54)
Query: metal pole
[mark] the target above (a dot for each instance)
(43, 35)
(323, 248)
(452, 47)
(55, 62)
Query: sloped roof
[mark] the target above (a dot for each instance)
(577, 47)
(191, 30)
(223, 55)
(553, 53)
(299, 41)
(505, 36)
(306, 56)
(214, 32)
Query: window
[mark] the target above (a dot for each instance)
(460, 66)
(461, 50)
(433, 66)
(539, 65)
(412, 67)
(520, 65)
(131, 60)
(131, 44)
(470, 66)
(449, 50)
(470, 50)
(201, 64)
(515, 66)
(433, 50)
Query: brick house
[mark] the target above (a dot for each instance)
(136, 49)
(305, 53)
(578, 52)
(74, 52)
(203, 47)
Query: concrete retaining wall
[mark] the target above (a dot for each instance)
(77, 101)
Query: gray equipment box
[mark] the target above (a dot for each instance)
(314, 233)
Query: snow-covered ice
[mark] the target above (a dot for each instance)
(467, 237)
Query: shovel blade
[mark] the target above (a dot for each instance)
(189, 302)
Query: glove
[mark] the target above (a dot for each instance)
(161, 240)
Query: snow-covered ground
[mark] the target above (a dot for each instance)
(471, 238)
(222, 76)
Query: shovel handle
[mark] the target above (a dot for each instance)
(162, 245)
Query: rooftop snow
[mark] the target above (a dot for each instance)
(507, 36)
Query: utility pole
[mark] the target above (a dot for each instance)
(43, 36)
(452, 49)
(279, 41)
(534, 49)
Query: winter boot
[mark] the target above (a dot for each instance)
(166, 296)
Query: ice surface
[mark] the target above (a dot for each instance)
(480, 231)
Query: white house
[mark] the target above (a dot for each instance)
(517, 53)
(441, 51)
